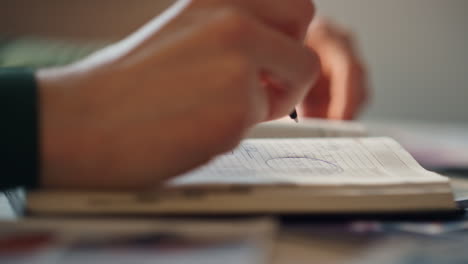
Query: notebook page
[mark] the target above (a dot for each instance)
(308, 127)
(340, 161)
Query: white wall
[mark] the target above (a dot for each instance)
(417, 51)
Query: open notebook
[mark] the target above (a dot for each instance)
(307, 127)
(340, 175)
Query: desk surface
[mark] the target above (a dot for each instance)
(362, 242)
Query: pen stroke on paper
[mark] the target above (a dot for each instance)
(283, 159)
(307, 161)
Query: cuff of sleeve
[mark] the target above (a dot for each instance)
(19, 139)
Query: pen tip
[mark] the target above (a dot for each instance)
(296, 120)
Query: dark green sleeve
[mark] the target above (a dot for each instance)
(19, 150)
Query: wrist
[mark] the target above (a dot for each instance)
(56, 88)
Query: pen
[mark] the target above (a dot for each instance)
(294, 116)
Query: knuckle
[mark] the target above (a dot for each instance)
(308, 9)
(233, 24)
(303, 14)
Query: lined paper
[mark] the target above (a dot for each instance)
(338, 161)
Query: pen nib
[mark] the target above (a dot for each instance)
(294, 116)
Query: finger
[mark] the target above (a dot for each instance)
(286, 62)
(290, 17)
(317, 101)
(342, 66)
(347, 91)
(291, 67)
(362, 88)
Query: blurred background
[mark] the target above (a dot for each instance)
(416, 50)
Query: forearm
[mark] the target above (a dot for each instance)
(101, 20)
